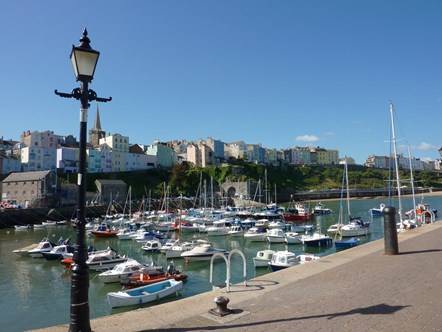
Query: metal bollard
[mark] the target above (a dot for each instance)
(221, 306)
(390, 231)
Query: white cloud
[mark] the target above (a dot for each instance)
(330, 133)
(307, 138)
(424, 146)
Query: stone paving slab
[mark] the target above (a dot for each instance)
(355, 289)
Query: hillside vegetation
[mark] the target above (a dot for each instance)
(185, 178)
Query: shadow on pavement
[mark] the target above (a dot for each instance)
(419, 251)
(380, 309)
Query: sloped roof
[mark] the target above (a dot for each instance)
(26, 176)
(110, 182)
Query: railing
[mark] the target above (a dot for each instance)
(228, 270)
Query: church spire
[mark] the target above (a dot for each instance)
(96, 133)
(97, 123)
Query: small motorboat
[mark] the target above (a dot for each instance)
(176, 250)
(99, 260)
(144, 236)
(49, 223)
(125, 234)
(256, 234)
(186, 227)
(150, 277)
(334, 228)
(302, 228)
(275, 235)
(305, 258)
(104, 261)
(321, 209)
(44, 246)
(153, 245)
(377, 211)
(202, 252)
(168, 244)
(236, 230)
(300, 212)
(220, 227)
(356, 227)
(124, 271)
(23, 227)
(144, 294)
(263, 258)
(317, 240)
(293, 238)
(277, 224)
(341, 244)
(422, 213)
(104, 230)
(282, 260)
(58, 251)
(25, 251)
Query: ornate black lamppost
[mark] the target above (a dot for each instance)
(84, 60)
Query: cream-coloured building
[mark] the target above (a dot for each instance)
(119, 146)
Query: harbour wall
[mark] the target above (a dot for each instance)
(12, 217)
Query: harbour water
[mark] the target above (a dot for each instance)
(36, 293)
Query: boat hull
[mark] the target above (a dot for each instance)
(318, 242)
(107, 265)
(376, 212)
(274, 267)
(145, 294)
(107, 233)
(52, 256)
(275, 239)
(256, 237)
(354, 232)
(347, 243)
(138, 282)
(202, 257)
(297, 217)
(292, 240)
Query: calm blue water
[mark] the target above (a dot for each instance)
(36, 293)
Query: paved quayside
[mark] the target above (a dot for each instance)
(358, 289)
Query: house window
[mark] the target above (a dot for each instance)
(24, 192)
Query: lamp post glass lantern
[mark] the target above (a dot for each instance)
(84, 61)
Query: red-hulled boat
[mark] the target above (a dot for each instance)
(104, 231)
(298, 213)
(153, 276)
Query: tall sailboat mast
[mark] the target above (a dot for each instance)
(412, 183)
(398, 184)
(347, 189)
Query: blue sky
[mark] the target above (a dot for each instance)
(280, 73)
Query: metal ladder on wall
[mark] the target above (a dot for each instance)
(228, 269)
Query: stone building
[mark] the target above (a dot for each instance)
(111, 189)
(30, 189)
